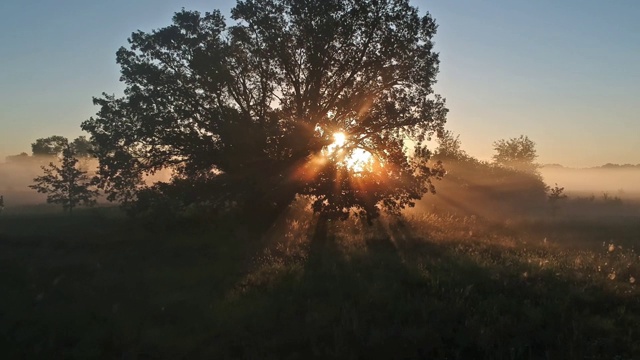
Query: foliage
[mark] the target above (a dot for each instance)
(251, 108)
(450, 148)
(55, 145)
(66, 184)
(516, 153)
(478, 187)
(556, 194)
(482, 188)
(82, 147)
(50, 146)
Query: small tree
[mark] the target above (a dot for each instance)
(555, 195)
(66, 184)
(516, 153)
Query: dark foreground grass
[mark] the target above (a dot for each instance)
(430, 286)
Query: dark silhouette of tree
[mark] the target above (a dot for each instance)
(82, 147)
(66, 184)
(556, 194)
(249, 112)
(55, 145)
(516, 153)
(50, 146)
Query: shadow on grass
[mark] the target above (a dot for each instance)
(392, 294)
(398, 296)
(101, 286)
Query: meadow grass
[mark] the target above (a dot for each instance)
(436, 286)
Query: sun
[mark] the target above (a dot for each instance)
(357, 160)
(339, 138)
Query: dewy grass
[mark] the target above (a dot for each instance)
(423, 286)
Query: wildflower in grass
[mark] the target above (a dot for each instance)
(612, 276)
(611, 247)
(632, 280)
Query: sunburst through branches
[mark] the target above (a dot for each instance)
(354, 158)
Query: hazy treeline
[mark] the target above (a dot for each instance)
(16, 176)
(514, 185)
(18, 172)
(616, 181)
(469, 181)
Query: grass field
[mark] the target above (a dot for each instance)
(435, 286)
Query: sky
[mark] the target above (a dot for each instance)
(564, 73)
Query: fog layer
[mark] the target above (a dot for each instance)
(624, 183)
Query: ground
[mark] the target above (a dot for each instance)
(426, 285)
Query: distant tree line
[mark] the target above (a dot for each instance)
(618, 166)
(607, 166)
(54, 146)
(518, 154)
(512, 178)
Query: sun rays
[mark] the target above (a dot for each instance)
(353, 158)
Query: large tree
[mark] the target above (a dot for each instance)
(319, 98)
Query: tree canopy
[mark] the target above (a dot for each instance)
(55, 145)
(450, 148)
(516, 153)
(252, 112)
(50, 146)
(82, 147)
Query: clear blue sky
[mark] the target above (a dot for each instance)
(565, 73)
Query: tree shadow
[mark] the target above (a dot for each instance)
(95, 287)
(390, 294)
(397, 295)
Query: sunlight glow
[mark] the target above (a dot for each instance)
(339, 139)
(357, 160)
